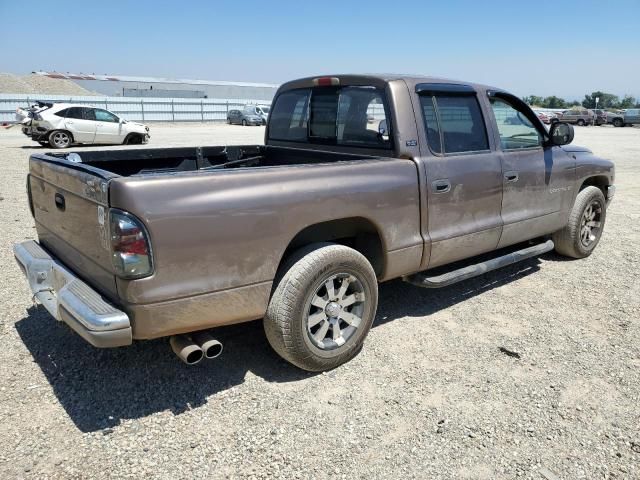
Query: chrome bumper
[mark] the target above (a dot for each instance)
(69, 299)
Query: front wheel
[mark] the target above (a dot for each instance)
(322, 307)
(581, 122)
(582, 233)
(244, 123)
(618, 122)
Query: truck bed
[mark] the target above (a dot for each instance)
(154, 161)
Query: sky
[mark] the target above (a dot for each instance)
(562, 47)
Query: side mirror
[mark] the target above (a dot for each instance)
(560, 133)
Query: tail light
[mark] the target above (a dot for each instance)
(130, 248)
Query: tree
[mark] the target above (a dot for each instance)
(627, 102)
(533, 100)
(554, 102)
(606, 100)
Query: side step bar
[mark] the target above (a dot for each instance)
(422, 279)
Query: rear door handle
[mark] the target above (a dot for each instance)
(441, 186)
(511, 176)
(60, 202)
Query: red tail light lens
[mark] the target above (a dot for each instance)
(130, 247)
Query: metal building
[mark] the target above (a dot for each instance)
(126, 86)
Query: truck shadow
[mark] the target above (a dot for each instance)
(100, 388)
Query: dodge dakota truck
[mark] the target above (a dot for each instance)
(362, 179)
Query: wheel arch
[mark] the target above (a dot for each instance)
(358, 233)
(600, 181)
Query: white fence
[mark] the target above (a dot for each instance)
(136, 108)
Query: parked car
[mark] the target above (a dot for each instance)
(631, 116)
(580, 116)
(601, 116)
(261, 111)
(60, 125)
(238, 117)
(299, 231)
(543, 116)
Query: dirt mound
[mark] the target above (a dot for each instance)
(38, 84)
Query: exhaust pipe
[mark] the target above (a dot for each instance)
(186, 350)
(211, 347)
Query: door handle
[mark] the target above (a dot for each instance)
(441, 186)
(511, 176)
(60, 202)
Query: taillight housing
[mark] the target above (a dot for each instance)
(130, 247)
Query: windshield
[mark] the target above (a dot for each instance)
(345, 116)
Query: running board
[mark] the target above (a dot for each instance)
(422, 279)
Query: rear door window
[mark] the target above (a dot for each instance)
(88, 113)
(75, 112)
(454, 123)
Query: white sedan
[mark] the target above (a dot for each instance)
(63, 124)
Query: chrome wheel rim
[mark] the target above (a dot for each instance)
(591, 223)
(60, 139)
(335, 311)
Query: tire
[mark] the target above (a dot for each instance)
(60, 139)
(582, 233)
(580, 122)
(618, 122)
(133, 139)
(302, 295)
(244, 123)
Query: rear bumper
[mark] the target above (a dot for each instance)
(69, 299)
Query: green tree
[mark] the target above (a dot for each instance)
(533, 100)
(606, 100)
(554, 102)
(627, 102)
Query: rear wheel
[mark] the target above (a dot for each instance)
(59, 139)
(580, 122)
(618, 122)
(322, 307)
(582, 233)
(244, 123)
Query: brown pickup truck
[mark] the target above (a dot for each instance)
(361, 179)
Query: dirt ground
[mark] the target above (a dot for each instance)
(430, 396)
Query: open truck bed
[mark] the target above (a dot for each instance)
(217, 221)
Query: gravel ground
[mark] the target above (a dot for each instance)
(430, 396)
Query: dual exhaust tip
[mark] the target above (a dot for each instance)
(192, 348)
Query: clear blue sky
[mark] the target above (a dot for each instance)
(562, 47)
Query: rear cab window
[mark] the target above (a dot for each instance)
(347, 116)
